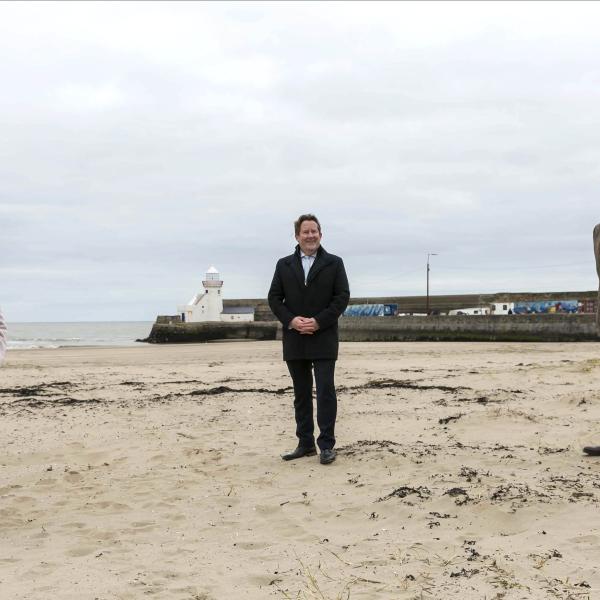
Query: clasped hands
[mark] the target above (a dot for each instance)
(304, 325)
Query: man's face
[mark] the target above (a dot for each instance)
(309, 237)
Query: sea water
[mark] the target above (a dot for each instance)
(59, 335)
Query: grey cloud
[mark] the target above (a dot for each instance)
(133, 159)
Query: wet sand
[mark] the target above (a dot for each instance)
(154, 472)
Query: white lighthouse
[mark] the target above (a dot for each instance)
(207, 305)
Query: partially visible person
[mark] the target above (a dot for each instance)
(595, 450)
(2, 337)
(597, 255)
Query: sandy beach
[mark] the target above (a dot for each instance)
(154, 472)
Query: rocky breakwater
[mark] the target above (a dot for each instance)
(501, 328)
(177, 333)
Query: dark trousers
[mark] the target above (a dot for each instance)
(302, 376)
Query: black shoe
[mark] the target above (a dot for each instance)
(299, 452)
(327, 456)
(592, 450)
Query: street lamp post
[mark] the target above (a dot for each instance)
(427, 306)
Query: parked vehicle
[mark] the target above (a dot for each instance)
(371, 310)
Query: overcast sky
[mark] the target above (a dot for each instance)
(141, 143)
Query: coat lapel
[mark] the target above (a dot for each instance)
(321, 261)
(296, 265)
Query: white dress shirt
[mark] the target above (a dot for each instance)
(307, 263)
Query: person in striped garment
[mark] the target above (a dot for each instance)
(2, 337)
(595, 450)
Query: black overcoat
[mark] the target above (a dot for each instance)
(324, 297)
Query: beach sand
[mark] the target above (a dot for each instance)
(155, 472)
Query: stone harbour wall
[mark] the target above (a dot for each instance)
(501, 328)
(506, 328)
(178, 333)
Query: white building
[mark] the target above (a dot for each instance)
(502, 308)
(475, 310)
(237, 313)
(207, 305)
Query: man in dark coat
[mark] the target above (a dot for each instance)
(308, 294)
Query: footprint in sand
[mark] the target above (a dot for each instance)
(82, 551)
(585, 539)
(106, 505)
(76, 525)
(46, 482)
(161, 458)
(144, 524)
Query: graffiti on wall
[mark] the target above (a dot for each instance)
(545, 307)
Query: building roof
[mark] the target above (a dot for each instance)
(238, 310)
(212, 270)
